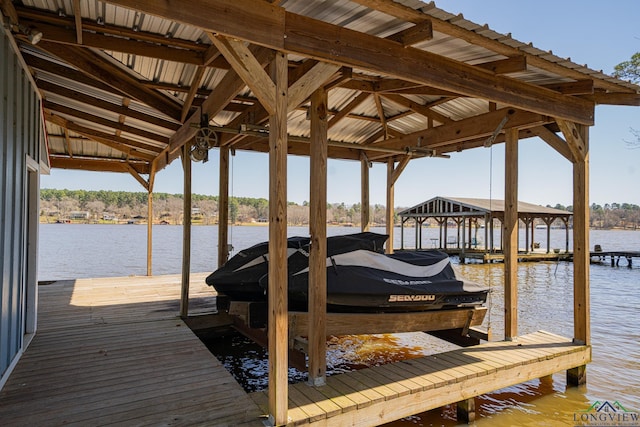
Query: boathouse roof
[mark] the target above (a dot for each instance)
(126, 85)
(470, 207)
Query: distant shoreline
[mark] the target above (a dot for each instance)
(265, 224)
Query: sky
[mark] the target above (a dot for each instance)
(596, 33)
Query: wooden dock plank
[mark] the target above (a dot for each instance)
(343, 400)
(113, 351)
(314, 395)
(456, 375)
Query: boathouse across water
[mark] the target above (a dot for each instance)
(129, 87)
(471, 215)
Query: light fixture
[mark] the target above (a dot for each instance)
(35, 36)
(32, 34)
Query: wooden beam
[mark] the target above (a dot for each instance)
(68, 111)
(256, 114)
(318, 231)
(105, 105)
(510, 235)
(381, 116)
(631, 99)
(318, 39)
(376, 323)
(581, 252)
(37, 63)
(574, 140)
(77, 15)
(413, 35)
(68, 37)
(67, 141)
(554, 141)
(195, 83)
(423, 110)
(274, 27)
(126, 146)
(514, 64)
(354, 103)
(223, 207)
(248, 68)
(481, 126)
(9, 10)
(114, 32)
(228, 88)
(278, 323)
(579, 87)
(186, 233)
(95, 65)
(98, 165)
(134, 173)
(450, 28)
(307, 84)
(402, 164)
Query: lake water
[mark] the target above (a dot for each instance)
(545, 303)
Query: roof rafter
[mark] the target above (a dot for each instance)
(472, 128)
(117, 126)
(105, 105)
(98, 67)
(124, 145)
(96, 164)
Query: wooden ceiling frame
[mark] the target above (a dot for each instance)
(285, 31)
(386, 67)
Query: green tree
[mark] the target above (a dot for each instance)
(233, 209)
(630, 70)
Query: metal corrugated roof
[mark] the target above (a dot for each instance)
(363, 122)
(452, 205)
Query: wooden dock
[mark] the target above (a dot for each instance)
(113, 351)
(385, 393)
(615, 257)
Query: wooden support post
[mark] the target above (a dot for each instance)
(466, 410)
(186, 232)
(486, 235)
(390, 202)
(223, 207)
(364, 193)
(318, 250)
(581, 254)
(510, 227)
(278, 317)
(149, 233)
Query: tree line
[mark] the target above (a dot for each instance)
(123, 206)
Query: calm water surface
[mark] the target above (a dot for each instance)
(545, 302)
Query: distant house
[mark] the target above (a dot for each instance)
(79, 215)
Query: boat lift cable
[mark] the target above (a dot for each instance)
(486, 243)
